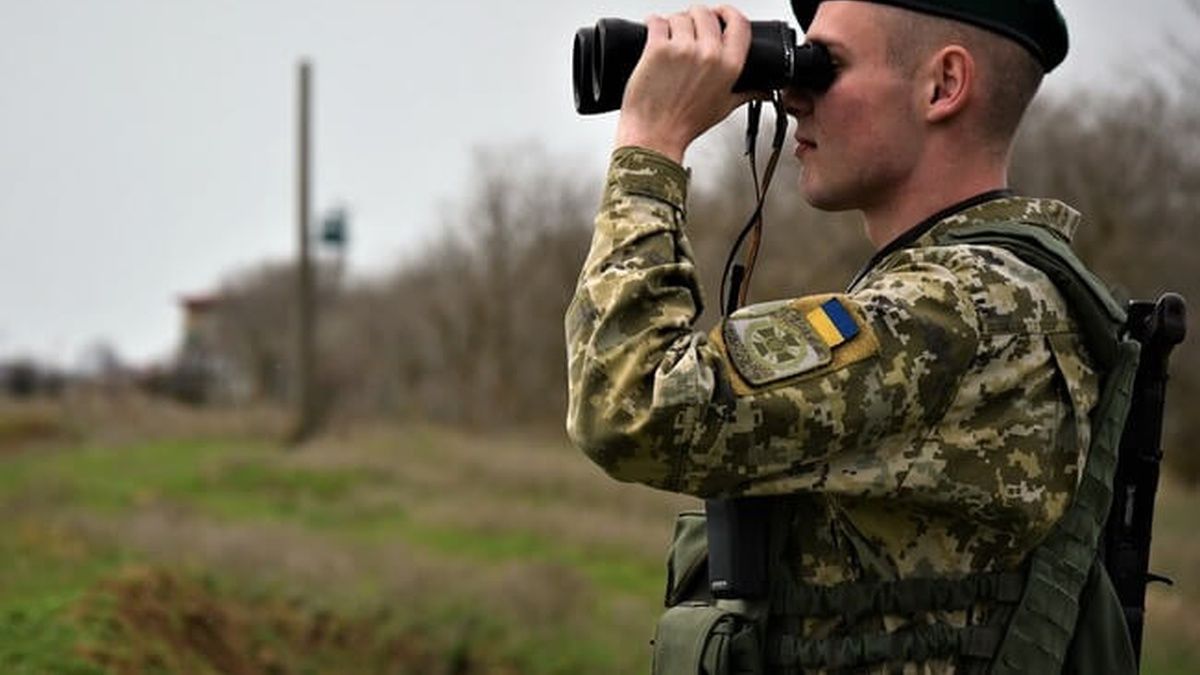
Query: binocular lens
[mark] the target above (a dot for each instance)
(583, 72)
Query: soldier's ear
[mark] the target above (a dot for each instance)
(948, 83)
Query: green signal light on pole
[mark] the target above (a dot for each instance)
(335, 228)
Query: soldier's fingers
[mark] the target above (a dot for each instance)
(736, 37)
(708, 28)
(682, 30)
(657, 29)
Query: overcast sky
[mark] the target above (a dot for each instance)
(146, 146)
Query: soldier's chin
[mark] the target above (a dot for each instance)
(820, 197)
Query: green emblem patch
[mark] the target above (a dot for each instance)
(771, 342)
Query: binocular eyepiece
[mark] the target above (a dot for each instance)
(605, 56)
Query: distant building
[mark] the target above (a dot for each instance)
(202, 373)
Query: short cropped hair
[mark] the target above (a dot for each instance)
(1009, 75)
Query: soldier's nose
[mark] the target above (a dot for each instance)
(798, 102)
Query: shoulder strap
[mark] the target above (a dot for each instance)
(1101, 318)
(1042, 624)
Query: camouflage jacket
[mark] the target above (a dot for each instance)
(934, 418)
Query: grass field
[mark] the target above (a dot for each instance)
(144, 539)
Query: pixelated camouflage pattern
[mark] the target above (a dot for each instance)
(951, 447)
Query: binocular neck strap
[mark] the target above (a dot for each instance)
(735, 278)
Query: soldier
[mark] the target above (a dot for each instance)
(931, 422)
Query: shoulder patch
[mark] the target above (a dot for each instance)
(771, 345)
(775, 341)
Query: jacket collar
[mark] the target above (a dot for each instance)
(988, 207)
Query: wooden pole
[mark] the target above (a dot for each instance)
(306, 421)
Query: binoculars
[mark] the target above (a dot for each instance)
(605, 55)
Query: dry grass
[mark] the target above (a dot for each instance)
(156, 620)
(284, 555)
(29, 424)
(83, 414)
(446, 478)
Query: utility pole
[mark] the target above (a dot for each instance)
(306, 422)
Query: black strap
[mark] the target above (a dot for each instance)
(735, 279)
(916, 644)
(856, 600)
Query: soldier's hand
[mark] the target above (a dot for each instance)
(683, 84)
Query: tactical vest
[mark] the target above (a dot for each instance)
(1056, 613)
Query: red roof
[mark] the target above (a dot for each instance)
(199, 302)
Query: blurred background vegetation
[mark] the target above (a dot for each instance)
(441, 523)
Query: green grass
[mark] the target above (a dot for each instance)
(240, 482)
(44, 573)
(243, 482)
(399, 539)
(112, 479)
(36, 639)
(246, 483)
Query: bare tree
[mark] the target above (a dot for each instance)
(470, 331)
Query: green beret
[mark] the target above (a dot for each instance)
(1035, 24)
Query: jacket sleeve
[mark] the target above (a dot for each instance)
(777, 394)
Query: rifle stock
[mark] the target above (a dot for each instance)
(1159, 326)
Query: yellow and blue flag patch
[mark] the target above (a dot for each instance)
(832, 322)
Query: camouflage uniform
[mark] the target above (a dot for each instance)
(939, 430)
